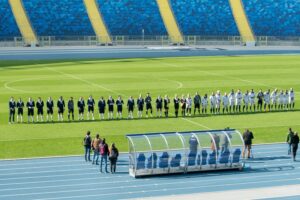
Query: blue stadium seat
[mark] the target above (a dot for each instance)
(192, 159)
(149, 164)
(212, 158)
(8, 25)
(224, 157)
(204, 158)
(141, 161)
(175, 161)
(236, 156)
(164, 160)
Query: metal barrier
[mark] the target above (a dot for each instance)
(146, 40)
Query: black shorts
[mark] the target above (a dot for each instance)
(197, 105)
(40, 112)
(130, 109)
(111, 109)
(71, 110)
(101, 110)
(158, 107)
(12, 111)
(166, 107)
(183, 107)
(140, 108)
(60, 111)
(176, 107)
(260, 102)
(50, 111)
(81, 110)
(119, 109)
(148, 107)
(30, 112)
(20, 111)
(90, 109)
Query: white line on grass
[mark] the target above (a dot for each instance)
(6, 85)
(195, 123)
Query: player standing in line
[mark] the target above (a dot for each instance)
(246, 99)
(20, 106)
(148, 105)
(225, 101)
(238, 101)
(260, 96)
(40, 109)
(119, 104)
(197, 102)
(71, 109)
(91, 107)
(274, 99)
(212, 99)
(232, 101)
(166, 105)
(30, 108)
(110, 103)
(12, 110)
(81, 105)
(291, 99)
(281, 100)
(140, 104)
(252, 100)
(176, 105)
(61, 108)
(189, 103)
(101, 107)
(50, 106)
(159, 103)
(286, 100)
(204, 103)
(183, 105)
(218, 102)
(130, 106)
(267, 98)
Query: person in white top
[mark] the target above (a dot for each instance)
(267, 100)
(218, 102)
(274, 99)
(291, 99)
(212, 99)
(231, 101)
(189, 102)
(204, 103)
(246, 101)
(252, 100)
(281, 100)
(238, 101)
(225, 101)
(285, 100)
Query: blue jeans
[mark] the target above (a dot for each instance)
(289, 149)
(103, 159)
(96, 156)
(87, 153)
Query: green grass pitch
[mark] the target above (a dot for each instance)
(132, 77)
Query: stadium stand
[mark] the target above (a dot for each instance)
(8, 25)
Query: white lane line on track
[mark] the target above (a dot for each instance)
(154, 184)
(149, 185)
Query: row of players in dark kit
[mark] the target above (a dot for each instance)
(234, 102)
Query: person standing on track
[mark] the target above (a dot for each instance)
(289, 140)
(148, 105)
(12, 110)
(20, 107)
(104, 153)
(176, 105)
(30, 108)
(119, 104)
(61, 108)
(80, 105)
(87, 142)
(91, 107)
(40, 109)
(95, 146)
(248, 137)
(295, 142)
(71, 109)
(197, 102)
(50, 106)
(113, 157)
(101, 108)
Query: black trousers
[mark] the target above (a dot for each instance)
(294, 150)
(113, 164)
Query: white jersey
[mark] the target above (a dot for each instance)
(238, 98)
(212, 99)
(267, 98)
(246, 99)
(218, 100)
(252, 98)
(286, 98)
(281, 98)
(231, 99)
(189, 102)
(291, 97)
(225, 101)
(204, 102)
(274, 97)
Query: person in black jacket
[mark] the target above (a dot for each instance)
(289, 140)
(159, 104)
(40, 109)
(101, 107)
(166, 105)
(50, 106)
(130, 106)
(248, 137)
(12, 110)
(91, 106)
(20, 107)
(119, 104)
(80, 105)
(176, 105)
(61, 108)
(71, 108)
(140, 105)
(113, 157)
(87, 143)
(260, 97)
(148, 104)
(110, 104)
(295, 142)
(30, 107)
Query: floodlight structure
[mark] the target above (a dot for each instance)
(183, 152)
